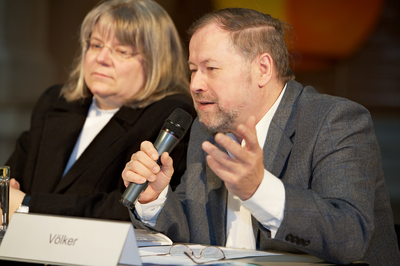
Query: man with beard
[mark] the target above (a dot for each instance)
(272, 165)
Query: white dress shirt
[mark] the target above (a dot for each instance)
(266, 205)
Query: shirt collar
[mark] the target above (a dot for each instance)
(94, 110)
(263, 125)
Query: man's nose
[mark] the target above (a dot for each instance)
(198, 82)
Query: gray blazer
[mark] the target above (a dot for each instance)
(324, 150)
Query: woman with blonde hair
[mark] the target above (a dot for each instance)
(129, 77)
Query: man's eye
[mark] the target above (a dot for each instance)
(211, 68)
(193, 71)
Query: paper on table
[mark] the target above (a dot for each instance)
(157, 255)
(146, 239)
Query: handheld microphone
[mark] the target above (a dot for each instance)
(173, 131)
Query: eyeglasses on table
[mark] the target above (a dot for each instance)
(211, 253)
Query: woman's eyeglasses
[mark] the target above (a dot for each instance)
(122, 52)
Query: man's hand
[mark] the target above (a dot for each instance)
(143, 167)
(243, 173)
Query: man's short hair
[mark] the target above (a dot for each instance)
(252, 33)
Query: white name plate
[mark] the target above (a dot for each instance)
(69, 241)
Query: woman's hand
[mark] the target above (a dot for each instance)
(16, 198)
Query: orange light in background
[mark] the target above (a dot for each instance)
(276, 8)
(324, 32)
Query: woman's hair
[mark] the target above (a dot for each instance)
(145, 25)
(252, 33)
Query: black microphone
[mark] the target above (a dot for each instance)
(173, 131)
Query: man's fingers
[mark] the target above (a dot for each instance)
(234, 148)
(145, 160)
(167, 165)
(145, 171)
(148, 148)
(217, 159)
(242, 168)
(248, 133)
(142, 166)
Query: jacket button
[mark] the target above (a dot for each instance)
(289, 237)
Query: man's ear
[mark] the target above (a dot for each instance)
(265, 67)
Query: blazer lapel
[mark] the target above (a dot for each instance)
(278, 144)
(115, 128)
(218, 195)
(60, 132)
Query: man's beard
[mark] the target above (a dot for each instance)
(221, 121)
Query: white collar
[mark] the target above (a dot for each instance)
(94, 110)
(263, 125)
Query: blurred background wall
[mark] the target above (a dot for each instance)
(344, 48)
